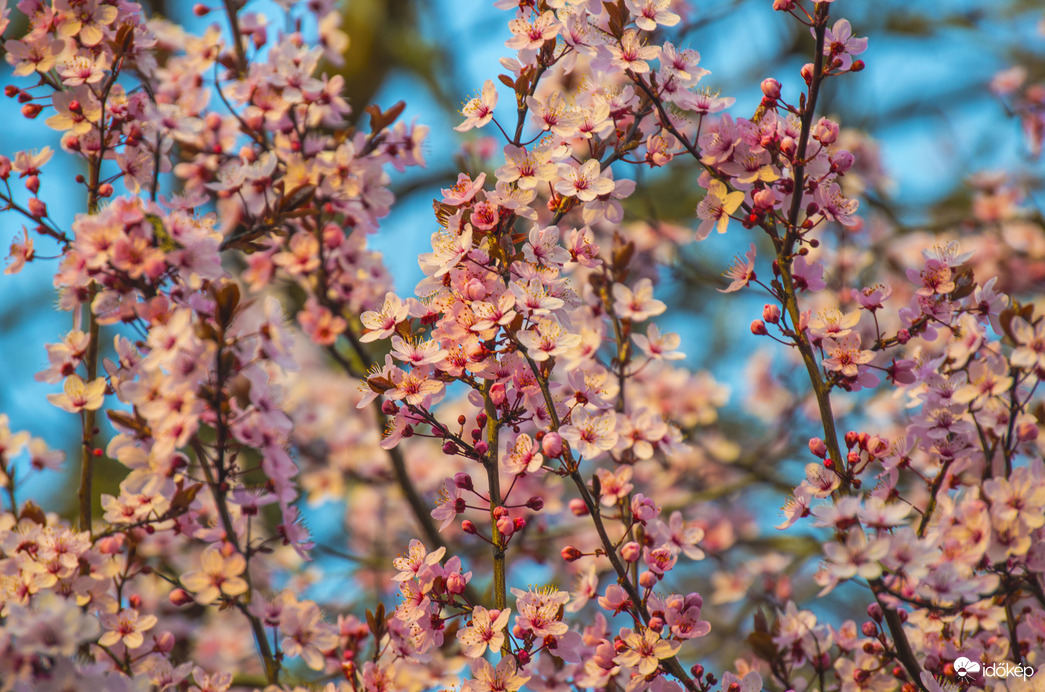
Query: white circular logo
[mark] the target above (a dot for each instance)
(963, 667)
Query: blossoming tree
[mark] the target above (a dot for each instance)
(534, 478)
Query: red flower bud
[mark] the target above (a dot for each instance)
(758, 328)
(818, 447)
(571, 554)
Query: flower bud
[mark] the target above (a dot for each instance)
(851, 438)
(31, 110)
(463, 481)
(180, 597)
(825, 131)
(656, 624)
(578, 508)
(536, 503)
(788, 147)
(648, 580)
(455, 583)
(105, 190)
(497, 394)
(520, 523)
(37, 208)
(869, 629)
(110, 545)
(551, 445)
(857, 66)
(631, 551)
(903, 336)
(842, 161)
(481, 447)
(758, 328)
(783, 5)
(10, 91)
(200, 10)
(571, 554)
(5, 167)
(1027, 431)
(32, 184)
(807, 73)
(505, 526)
(771, 313)
(164, 642)
(771, 88)
(468, 526)
(818, 447)
(449, 448)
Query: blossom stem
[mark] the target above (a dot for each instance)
(493, 475)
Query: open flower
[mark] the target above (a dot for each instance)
(479, 111)
(126, 626)
(79, 395)
(219, 576)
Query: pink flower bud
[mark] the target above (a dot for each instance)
(771, 313)
(1027, 431)
(788, 147)
(631, 551)
(648, 580)
(771, 88)
(497, 394)
(520, 523)
(874, 611)
(449, 448)
(389, 408)
(165, 642)
(481, 447)
(499, 512)
(455, 583)
(105, 190)
(551, 445)
(5, 167)
(31, 110)
(851, 438)
(505, 526)
(463, 481)
(825, 131)
(758, 328)
(783, 5)
(535, 503)
(468, 526)
(818, 447)
(842, 161)
(903, 336)
(571, 554)
(656, 624)
(110, 545)
(200, 10)
(578, 508)
(807, 72)
(32, 184)
(180, 597)
(37, 208)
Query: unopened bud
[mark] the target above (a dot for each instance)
(758, 328)
(481, 447)
(771, 88)
(631, 551)
(647, 580)
(31, 110)
(505, 526)
(857, 66)
(571, 554)
(165, 642)
(37, 208)
(578, 508)
(771, 313)
(535, 503)
(180, 597)
(807, 73)
(200, 10)
(869, 629)
(551, 445)
(462, 480)
(468, 526)
(818, 447)
(874, 611)
(851, 438)
(32, 183)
